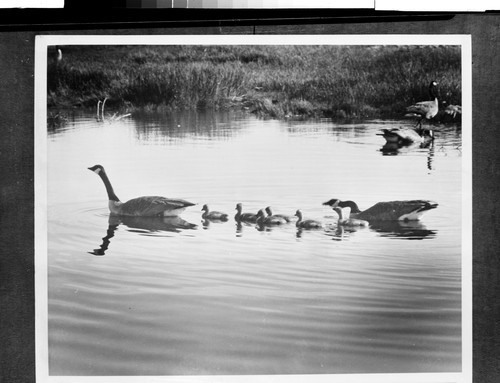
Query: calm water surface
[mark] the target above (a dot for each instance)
(187, 297)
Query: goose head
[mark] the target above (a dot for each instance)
(205, 208)
(298, 214)
(239, 207)
(333, 202)
(97, 169)
(269, 211)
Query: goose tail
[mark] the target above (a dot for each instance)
(423, 207)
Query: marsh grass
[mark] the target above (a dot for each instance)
(272, 81)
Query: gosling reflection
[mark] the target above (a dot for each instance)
(142, 225)
(412, 230)
(342, 233)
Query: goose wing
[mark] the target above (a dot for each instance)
(397, 210)
(152, 205)
(427, 109)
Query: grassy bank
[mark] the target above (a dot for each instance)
(274, 81)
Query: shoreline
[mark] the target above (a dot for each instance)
(280, 82)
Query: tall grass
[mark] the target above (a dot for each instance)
(276, 81)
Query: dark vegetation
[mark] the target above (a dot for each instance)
(271, 81)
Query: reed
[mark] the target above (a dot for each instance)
(272, 81)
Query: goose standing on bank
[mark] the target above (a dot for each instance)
(306, 223)
(148, 206)
(213, 215)
(285, 217)
(410, 210)
(346, 220)
(425, 109)
(244, 217)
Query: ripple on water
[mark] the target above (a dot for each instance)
(132, 295)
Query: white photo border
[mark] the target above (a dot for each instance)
(42, 42)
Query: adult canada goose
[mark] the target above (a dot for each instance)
(244, 217)
(346, 220)
(306, 223)
(148, 206)
(387, 211)
(262, 219)
(425, 109)
(287, 218)
(407, 136)
(213, 215)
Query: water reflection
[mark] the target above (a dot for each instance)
(110, 233)
(411, 230)
(340, 131)
(394, 149)
(161, 127)
(142, 225)
(300, 231)
(402, 229)
(341, 233)
(206, 222)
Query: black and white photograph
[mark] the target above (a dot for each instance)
(253, 208)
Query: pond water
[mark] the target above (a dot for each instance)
(187, 297)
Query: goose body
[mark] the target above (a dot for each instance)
(213, 215)
(407, 136)
(147, 206)
(306, 223)
(285, 217)
(410, 210)
(346, 220)
(244, 217)
(425, 109)
(262, 219)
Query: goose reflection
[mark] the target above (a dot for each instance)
(156, 224)
(341, 232)
(142, 225)
(411, 230)
(110, 233)
(394, 149)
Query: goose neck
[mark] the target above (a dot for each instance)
(109, 189)
(350, 204)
